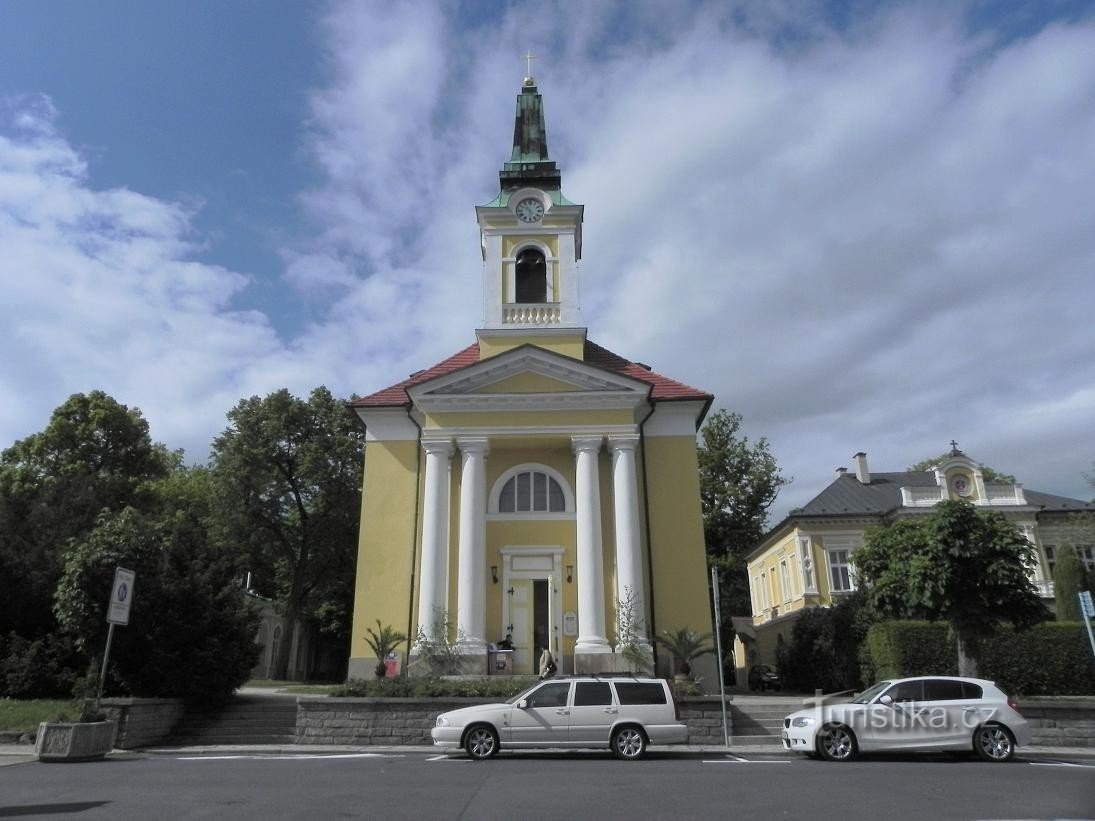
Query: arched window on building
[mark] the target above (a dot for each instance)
(531, 490)
(530, 280)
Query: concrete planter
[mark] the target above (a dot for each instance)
(89, 741)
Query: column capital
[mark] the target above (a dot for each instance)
(438, 447)
(473, 445)
(623, 441)
(582, 444)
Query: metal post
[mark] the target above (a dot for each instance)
(718, 647)
(102, 670)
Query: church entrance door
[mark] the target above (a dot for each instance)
(530, 605)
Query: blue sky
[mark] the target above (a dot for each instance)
(865, 226)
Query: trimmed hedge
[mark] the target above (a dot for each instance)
(1049, 659)
(896, 649)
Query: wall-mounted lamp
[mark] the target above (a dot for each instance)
(494, 573)
(570, 572)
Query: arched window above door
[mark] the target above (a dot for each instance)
(531, 491)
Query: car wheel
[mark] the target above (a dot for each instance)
(994, 742)
(629, 743)
(481, 742)
(835, 742)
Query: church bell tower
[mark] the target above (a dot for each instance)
(531, 238)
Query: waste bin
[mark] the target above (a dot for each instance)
(499, 662)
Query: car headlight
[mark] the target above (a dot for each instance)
(801, 721)
(442, 721)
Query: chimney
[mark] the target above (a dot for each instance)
(840, 472)
(861, 472)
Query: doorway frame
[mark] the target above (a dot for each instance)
(532, 563)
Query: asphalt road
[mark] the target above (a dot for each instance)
(546, 785)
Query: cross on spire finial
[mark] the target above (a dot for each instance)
(529, 81)
(954, 447)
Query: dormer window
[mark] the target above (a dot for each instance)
(530, 280)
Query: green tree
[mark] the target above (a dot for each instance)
(739, 481)
(989, 474)
(94, 455)
(191, 633)
(1069, 579)
(960, 565)
(288, 473)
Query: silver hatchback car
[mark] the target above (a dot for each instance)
(622, 714)
(926, 713)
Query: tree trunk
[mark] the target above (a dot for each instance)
(289, 628)
(967, 658)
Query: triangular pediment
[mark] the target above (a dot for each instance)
(530, 373)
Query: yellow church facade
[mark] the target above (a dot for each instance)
(533, 484)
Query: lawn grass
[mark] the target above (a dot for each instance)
(24, 715)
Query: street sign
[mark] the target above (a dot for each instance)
(121, 597)
(1086, 604)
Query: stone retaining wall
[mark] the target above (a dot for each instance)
(143, 721)
(365, 721)
(703, 715)
(1060, 724)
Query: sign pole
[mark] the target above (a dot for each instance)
(117, 612)
(718, 645)
(102, 670)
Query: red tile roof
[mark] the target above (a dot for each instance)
(662, 387)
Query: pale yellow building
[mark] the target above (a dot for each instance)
(534, 479)
(807, 559)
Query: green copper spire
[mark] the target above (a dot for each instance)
(529, 164)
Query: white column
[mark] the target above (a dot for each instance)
(591, 588)
(433, 587)
(625, 499)
(471, 589)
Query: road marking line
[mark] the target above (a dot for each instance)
(1058, 764)
(448, 758)
(285, 756)
(736, 760)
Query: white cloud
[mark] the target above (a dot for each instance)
(877, 239)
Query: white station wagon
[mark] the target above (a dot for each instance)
(622, 714)
(925, 713)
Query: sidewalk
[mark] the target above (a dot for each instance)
(22, 753)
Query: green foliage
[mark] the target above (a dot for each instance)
(629, 626)
(897, 649)
(438, 650)
(1069, 579)
(24, 715)
(41, 667)
(960, 565)
(686, 645)
(383, 641)
(191, 633)
(95, 454)
(990, 475)
(500, 687)
(1051, 659)
(824, 649)
(739, 482)
(288, 475)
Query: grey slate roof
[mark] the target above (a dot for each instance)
(848, 496)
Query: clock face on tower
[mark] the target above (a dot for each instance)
(530, 209)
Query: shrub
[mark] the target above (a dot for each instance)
(1051, 659)
(824, 648)
(501, 687)
(897, 649)
(42, 668)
